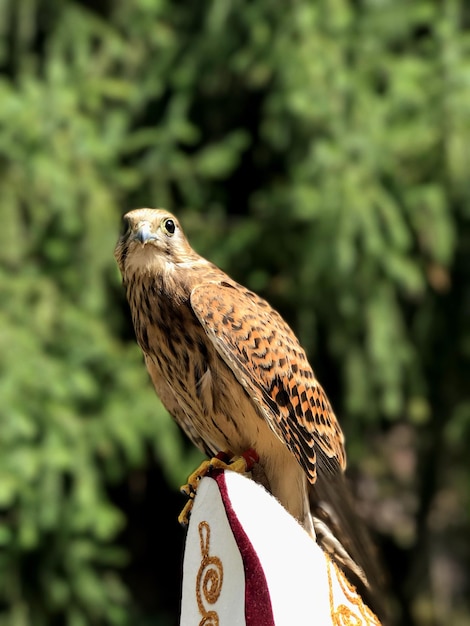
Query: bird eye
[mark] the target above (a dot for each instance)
(169, 226)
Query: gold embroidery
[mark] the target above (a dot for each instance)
(209, 579)
(343, 615)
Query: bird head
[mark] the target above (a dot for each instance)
(152, 238)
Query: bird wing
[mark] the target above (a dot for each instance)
(268, 361)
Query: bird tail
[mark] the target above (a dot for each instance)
(344, 537)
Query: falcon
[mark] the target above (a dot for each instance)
(234, 376)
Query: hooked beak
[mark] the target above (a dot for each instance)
(144, 233)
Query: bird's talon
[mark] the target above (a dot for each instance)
(188, 491)
(223, 461)
(183, 517)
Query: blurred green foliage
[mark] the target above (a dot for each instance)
(319, 152)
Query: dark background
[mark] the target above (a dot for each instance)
(319, 152)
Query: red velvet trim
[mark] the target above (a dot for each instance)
(258, 610)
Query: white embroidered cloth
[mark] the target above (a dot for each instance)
(248, 562)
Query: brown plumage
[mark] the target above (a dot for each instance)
(230, 370)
